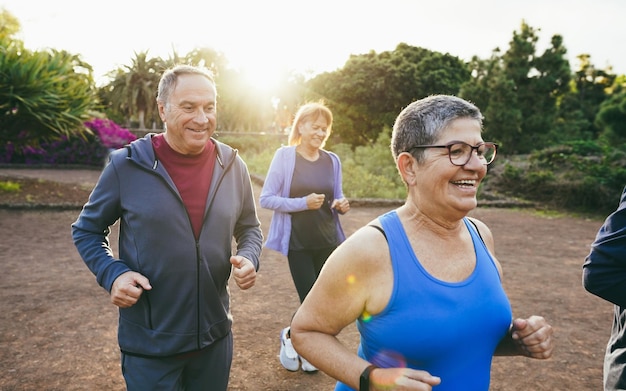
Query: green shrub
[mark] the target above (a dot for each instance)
(249, 144)
(9, 187)
(539, 178)
(258, 163)
(581, 176)
(43, 94)
(585, 147)
(512, 173)
(359, 182)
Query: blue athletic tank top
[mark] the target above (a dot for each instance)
(449, 329)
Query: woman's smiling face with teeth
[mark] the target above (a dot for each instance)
(445, 185)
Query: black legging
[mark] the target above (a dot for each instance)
(305, 266)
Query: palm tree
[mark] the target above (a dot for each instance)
(43, 94)
(133, 88)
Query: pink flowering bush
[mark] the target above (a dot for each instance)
(111, 135)
(91, 149)
(59, 151)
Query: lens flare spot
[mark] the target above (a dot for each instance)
(366, 317)
(390, 359)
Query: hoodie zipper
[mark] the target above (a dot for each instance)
(198, 252)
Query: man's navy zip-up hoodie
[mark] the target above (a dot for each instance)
(188, 306)
(604, 275)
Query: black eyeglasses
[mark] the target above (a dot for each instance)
(460, 153)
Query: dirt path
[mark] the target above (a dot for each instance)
(58, 330)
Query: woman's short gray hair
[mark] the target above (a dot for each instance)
(421, 122)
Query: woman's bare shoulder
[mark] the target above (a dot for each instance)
(365, 245)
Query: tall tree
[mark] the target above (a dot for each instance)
(503, 118)
(611, 119)
(578, 107)
(519, 91)
(370, 90)
(133, 88)
(477, 88)
(9, 25)
(538, 81)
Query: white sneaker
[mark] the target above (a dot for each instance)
(288, 355)
(307, 366)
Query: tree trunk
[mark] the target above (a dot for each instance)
(140, 116)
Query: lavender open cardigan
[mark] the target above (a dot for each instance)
(275, 196)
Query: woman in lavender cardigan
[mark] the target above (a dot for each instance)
(303, 188)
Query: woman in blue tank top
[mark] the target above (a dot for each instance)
(421, 281)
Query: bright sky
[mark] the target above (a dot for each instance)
(313, 36)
